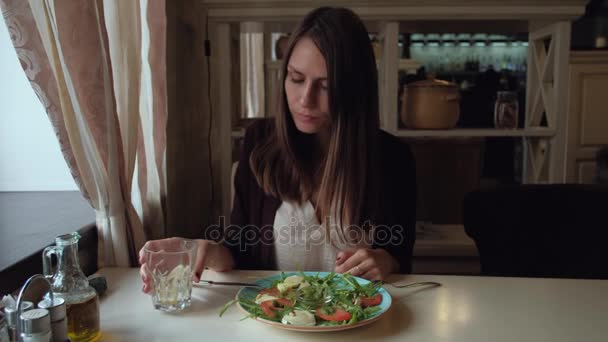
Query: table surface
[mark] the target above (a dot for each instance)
(464, 308)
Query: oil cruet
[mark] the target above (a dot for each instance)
(69, 282)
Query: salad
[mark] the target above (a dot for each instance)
(314, 300)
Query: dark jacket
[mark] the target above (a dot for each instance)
(250, 234)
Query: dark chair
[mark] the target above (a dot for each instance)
(554, 230)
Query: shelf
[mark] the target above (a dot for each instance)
(444, 240)
(273, 65)
(406, 64)
(459, 132)
(477, 132)
(239, 133)
(476, 73)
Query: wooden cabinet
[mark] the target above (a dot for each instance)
(587, 114)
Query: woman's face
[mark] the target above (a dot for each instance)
(306, 87)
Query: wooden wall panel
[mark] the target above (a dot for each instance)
(189, 207)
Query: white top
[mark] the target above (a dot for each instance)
(300, 240)
(471, 309)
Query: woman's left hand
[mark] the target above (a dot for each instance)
(370, 264)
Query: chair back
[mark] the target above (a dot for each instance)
(553, 230)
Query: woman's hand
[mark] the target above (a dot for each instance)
(208, 254)
(370, 264)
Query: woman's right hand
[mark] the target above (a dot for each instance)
(208, 254)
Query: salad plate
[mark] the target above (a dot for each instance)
(314, 301)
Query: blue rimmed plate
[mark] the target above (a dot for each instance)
(249, 293)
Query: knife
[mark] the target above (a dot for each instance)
(226, 283)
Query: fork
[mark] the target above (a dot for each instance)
(421, 283)
(229, 283)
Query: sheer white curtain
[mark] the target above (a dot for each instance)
(98, 67)
(252, 70)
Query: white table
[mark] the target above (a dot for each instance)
(463, 309)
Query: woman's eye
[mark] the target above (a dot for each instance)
(296, 80)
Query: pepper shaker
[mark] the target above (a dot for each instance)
(59, 323)
(12, 319)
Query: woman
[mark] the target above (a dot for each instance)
(321, 187)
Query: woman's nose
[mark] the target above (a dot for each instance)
(308, 98)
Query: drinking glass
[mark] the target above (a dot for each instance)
(170, 266)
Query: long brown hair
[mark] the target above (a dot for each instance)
(348, 177)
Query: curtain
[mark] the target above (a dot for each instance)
(99, 68)
(252, 70)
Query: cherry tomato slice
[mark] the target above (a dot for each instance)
(271, 306)
(371, 301)
(271, 291)
(338, 315)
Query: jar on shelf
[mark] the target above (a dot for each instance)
(280, 46)
(601, 25)
(506, 110)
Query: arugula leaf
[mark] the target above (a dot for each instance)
(227, 305)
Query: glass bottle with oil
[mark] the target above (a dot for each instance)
(69, 282)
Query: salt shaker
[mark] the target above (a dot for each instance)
(59, 323)
(3, 329)
(12, 320)
(36, 326)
